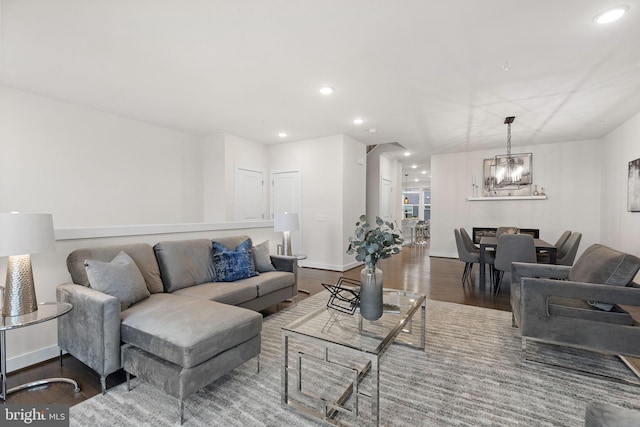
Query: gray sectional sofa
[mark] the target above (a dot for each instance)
(162, 312)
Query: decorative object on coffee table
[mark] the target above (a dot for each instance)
(371, 244)
(344, 298)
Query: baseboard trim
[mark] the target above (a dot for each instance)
(27, 359)
(442, 254)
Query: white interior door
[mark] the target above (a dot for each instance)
(286, 196)
(249, 195)
(386, 201)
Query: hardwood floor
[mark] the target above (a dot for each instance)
(412, 269)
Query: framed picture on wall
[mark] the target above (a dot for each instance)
(633, 187)
(507, 175)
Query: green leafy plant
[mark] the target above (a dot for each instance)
(373, 243)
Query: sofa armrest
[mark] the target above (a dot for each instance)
(537, 291)
(520, 270)
(285, 263)
(538, 323)
(91, 330)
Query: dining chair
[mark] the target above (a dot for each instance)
(469, 257)
(512, 248)
(508, 230)
(421, 235)
(567, 253)
(545, 258)
(468, 241)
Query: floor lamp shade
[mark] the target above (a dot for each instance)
(20, 236)
(286, 222)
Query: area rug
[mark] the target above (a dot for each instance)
(472, 373)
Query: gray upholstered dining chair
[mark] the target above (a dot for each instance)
(567, 253)
(544, 258)
(506, 230)
(468, 241)
(469, 257)
(512, 248)
(563, 238)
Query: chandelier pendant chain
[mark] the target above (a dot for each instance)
(509, 142)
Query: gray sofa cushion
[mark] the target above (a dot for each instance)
(184, 263)
(601, 264)
(270, 282)
(233, 293)
(119, 278)
(141, 253)
(171, 327)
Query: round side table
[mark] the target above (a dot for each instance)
(300, 257)
(46, 311)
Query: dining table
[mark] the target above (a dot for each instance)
(491, 242)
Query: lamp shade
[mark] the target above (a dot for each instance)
(285, 222)
(24, 233)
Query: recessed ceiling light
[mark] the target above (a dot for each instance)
(358, 121)
(406, 153)
(424, 172)
(416, 180)
(282, 135)
(611, 14)
(326, 90)
(372, 130)
(414, 166)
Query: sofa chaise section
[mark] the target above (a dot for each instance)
(181, 344)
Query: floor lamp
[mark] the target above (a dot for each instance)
(20, 236)
(286, 223)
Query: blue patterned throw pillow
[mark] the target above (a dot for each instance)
(231, 265)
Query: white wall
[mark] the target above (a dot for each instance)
(92, 168)
(325, 188)
(570, 173)
(214, 188)
(354, 172)
(619, 229)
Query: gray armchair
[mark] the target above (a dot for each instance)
(583, 309)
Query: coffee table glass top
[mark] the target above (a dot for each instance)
(356, 332)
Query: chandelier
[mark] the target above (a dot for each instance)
(507, 172)
(406, 198)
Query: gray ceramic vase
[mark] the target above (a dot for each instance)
(371, 293)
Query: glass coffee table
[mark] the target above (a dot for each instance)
(331, 359)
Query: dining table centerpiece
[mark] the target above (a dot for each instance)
(372, 243)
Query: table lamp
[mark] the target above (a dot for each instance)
(20, 236)
(286, 222)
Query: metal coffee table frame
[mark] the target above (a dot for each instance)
(370, 352)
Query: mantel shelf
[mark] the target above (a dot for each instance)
(482, 199)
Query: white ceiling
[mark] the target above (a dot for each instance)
(428, 75)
